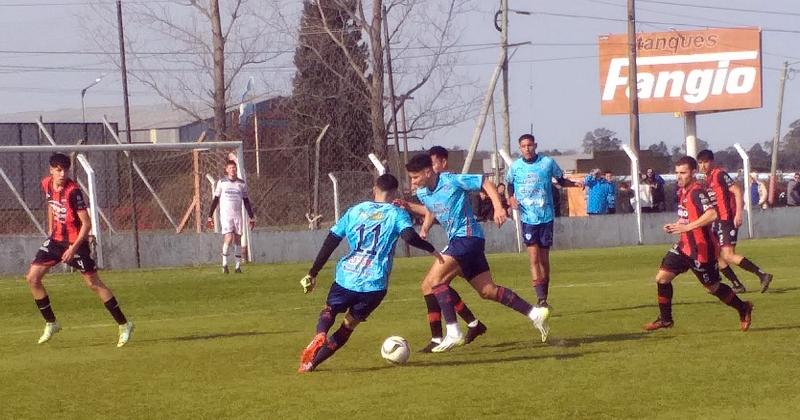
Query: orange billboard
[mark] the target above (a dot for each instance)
(680, 71)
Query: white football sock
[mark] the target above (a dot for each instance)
(237, 254)
(224, 254)
(452, 330)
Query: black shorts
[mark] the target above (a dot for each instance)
(725, 231)
(360, 304)
(677, 263)
(540, 235)
(469, 253)
(50, 253)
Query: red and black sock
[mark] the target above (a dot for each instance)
(326, 320)
(444, 296)
(665, 301)
(334, 343)
(541, 286)
(44, 307)
(512, 300)
(461, 308)
(728, 296)
(434, 315)
(748, 265)
(115, 311)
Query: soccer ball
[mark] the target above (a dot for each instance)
(395, 350)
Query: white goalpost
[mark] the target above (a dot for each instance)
(164, 168)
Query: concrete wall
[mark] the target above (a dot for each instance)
(165, 249)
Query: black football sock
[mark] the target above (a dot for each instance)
(116, 312)
(728, 296)
(434, 316)
(334, 343)
(512, 300)
(730, 275)
(665, 301)
(44, 307)
(748, 265)
(462, 310)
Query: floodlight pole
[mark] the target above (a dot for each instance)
(748, 206)
(83, 106)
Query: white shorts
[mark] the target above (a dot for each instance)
(232, 224)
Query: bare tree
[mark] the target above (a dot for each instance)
(190, 52)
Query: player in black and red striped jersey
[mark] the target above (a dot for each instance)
(69, 224)
(695, 249)
(729, 219)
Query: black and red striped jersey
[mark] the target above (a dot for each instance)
(698, 243)
(720, 182)
(65, 204)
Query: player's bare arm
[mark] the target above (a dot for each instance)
(499, 212)
(566, 182)
(707, 218)
(736, 190)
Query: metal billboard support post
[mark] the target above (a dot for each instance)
(93, 208)
(748, 206)
(335, 194)
(515, 213)
(216, 212)
(635, 185)
(690, 131)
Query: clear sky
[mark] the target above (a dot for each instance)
(554, 83)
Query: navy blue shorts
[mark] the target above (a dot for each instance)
(469, 253)
(540, 235)
(360, 304)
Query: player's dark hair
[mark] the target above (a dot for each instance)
(230, 162)
(386, 183)
(60, 160)
(419, 163)
(438, 151)
(526, 136)
(687, 160)
(705, 156)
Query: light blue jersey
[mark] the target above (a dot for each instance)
(371, 230)
(449, 203)
(533, 188)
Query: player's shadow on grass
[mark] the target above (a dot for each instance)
(779, 290)
(577, 342)
(633, 308)
(471, 361)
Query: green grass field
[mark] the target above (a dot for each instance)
(213, 346)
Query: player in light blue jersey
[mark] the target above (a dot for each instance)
(445, 195)
(362, 276)
(475, 327)
(530, 191)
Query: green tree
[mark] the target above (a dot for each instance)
(600, 139)
(660, 149)
(327, 90)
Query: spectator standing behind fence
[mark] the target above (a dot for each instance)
(611, 193)
(646, 195)
(758, 192)
(597, 193)
(793, 191)
(624, 198)
(501, 189)
(656, 183)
